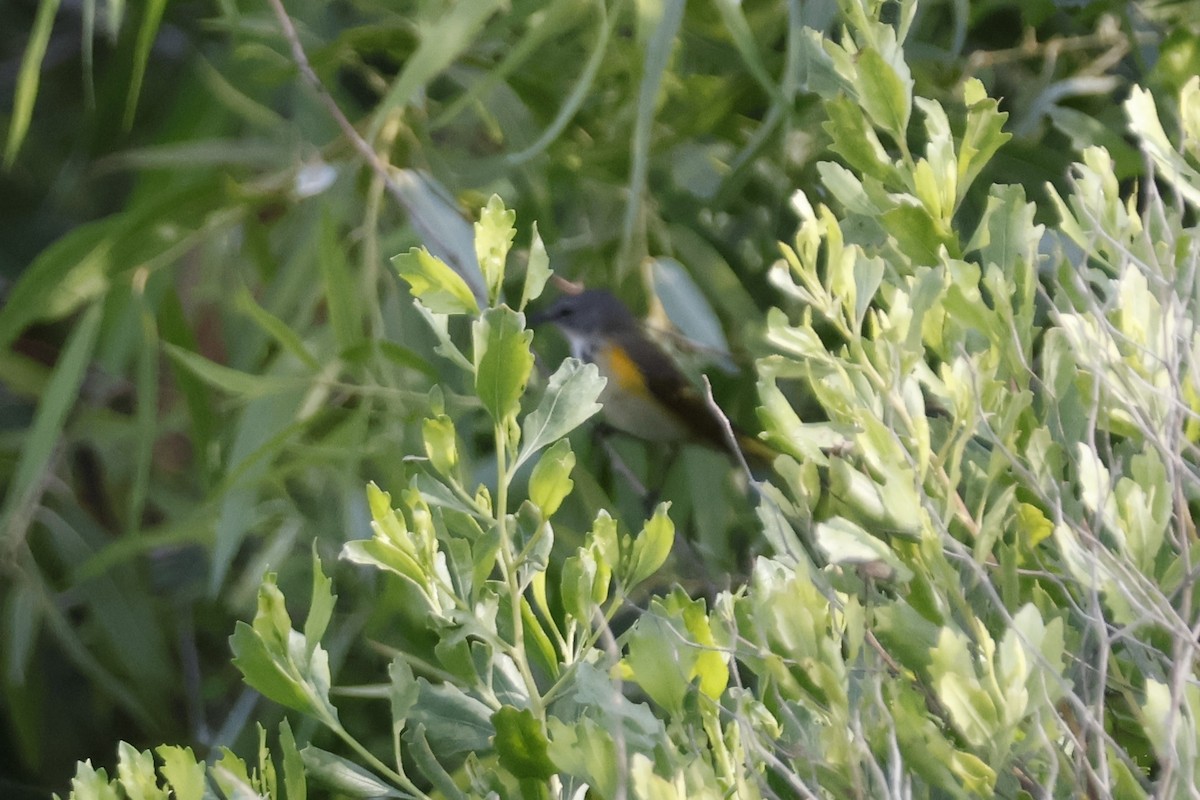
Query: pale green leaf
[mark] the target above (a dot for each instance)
(569, 400)
(503, 361)
(494, 234)
(439, 288)
(550, 482)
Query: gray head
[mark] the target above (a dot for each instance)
(589, 312)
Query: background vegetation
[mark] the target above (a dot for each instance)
(976, 572)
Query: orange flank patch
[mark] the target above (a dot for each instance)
(624, 372)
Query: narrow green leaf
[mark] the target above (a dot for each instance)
(442, 42)
(41, 442)
(746, 44)
(226, 378)
(434, 283)
(23, 619)
(152, 13)
(70, 272)
(503, 361)
(274, 327)
(666, 17)
(345, 315)
(260, 432)
(27, 79)
(147, 411)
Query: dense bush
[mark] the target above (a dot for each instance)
(969, 572)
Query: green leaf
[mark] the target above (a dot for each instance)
(295, 780)
(494, 234)
(984, 134)
(569, 400)
(274, 327)
(663, 19)
(652, 546)
(258, 665)
(441, 445)
(232, 777)
(856, 141)
(320, 611)
(225, 378)
(42, 439)
(551, 481)
(886, 92)
(27, 79)
(917, 234)
(660, 660)
(845, 542)
(275, 660)
(688, 309)
(537, 271)
(93, 784)
(1144, 123)
(585, 750)
(341, 296)
(439, 288)
(383, 554)
(403, 692)
(152, 12)
(454, 721)
(442, 41)
(430, 767)
(521, 744)
(183, 773)
(503, 361)
(578, 580)
(440, 325)
(135, 771)
(344, 776)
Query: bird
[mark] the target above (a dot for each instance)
(646, 395)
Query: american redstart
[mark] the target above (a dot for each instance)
(647, 395)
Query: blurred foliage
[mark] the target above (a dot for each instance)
(204, 356)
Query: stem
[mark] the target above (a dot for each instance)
(509, 570)
(398, 778)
